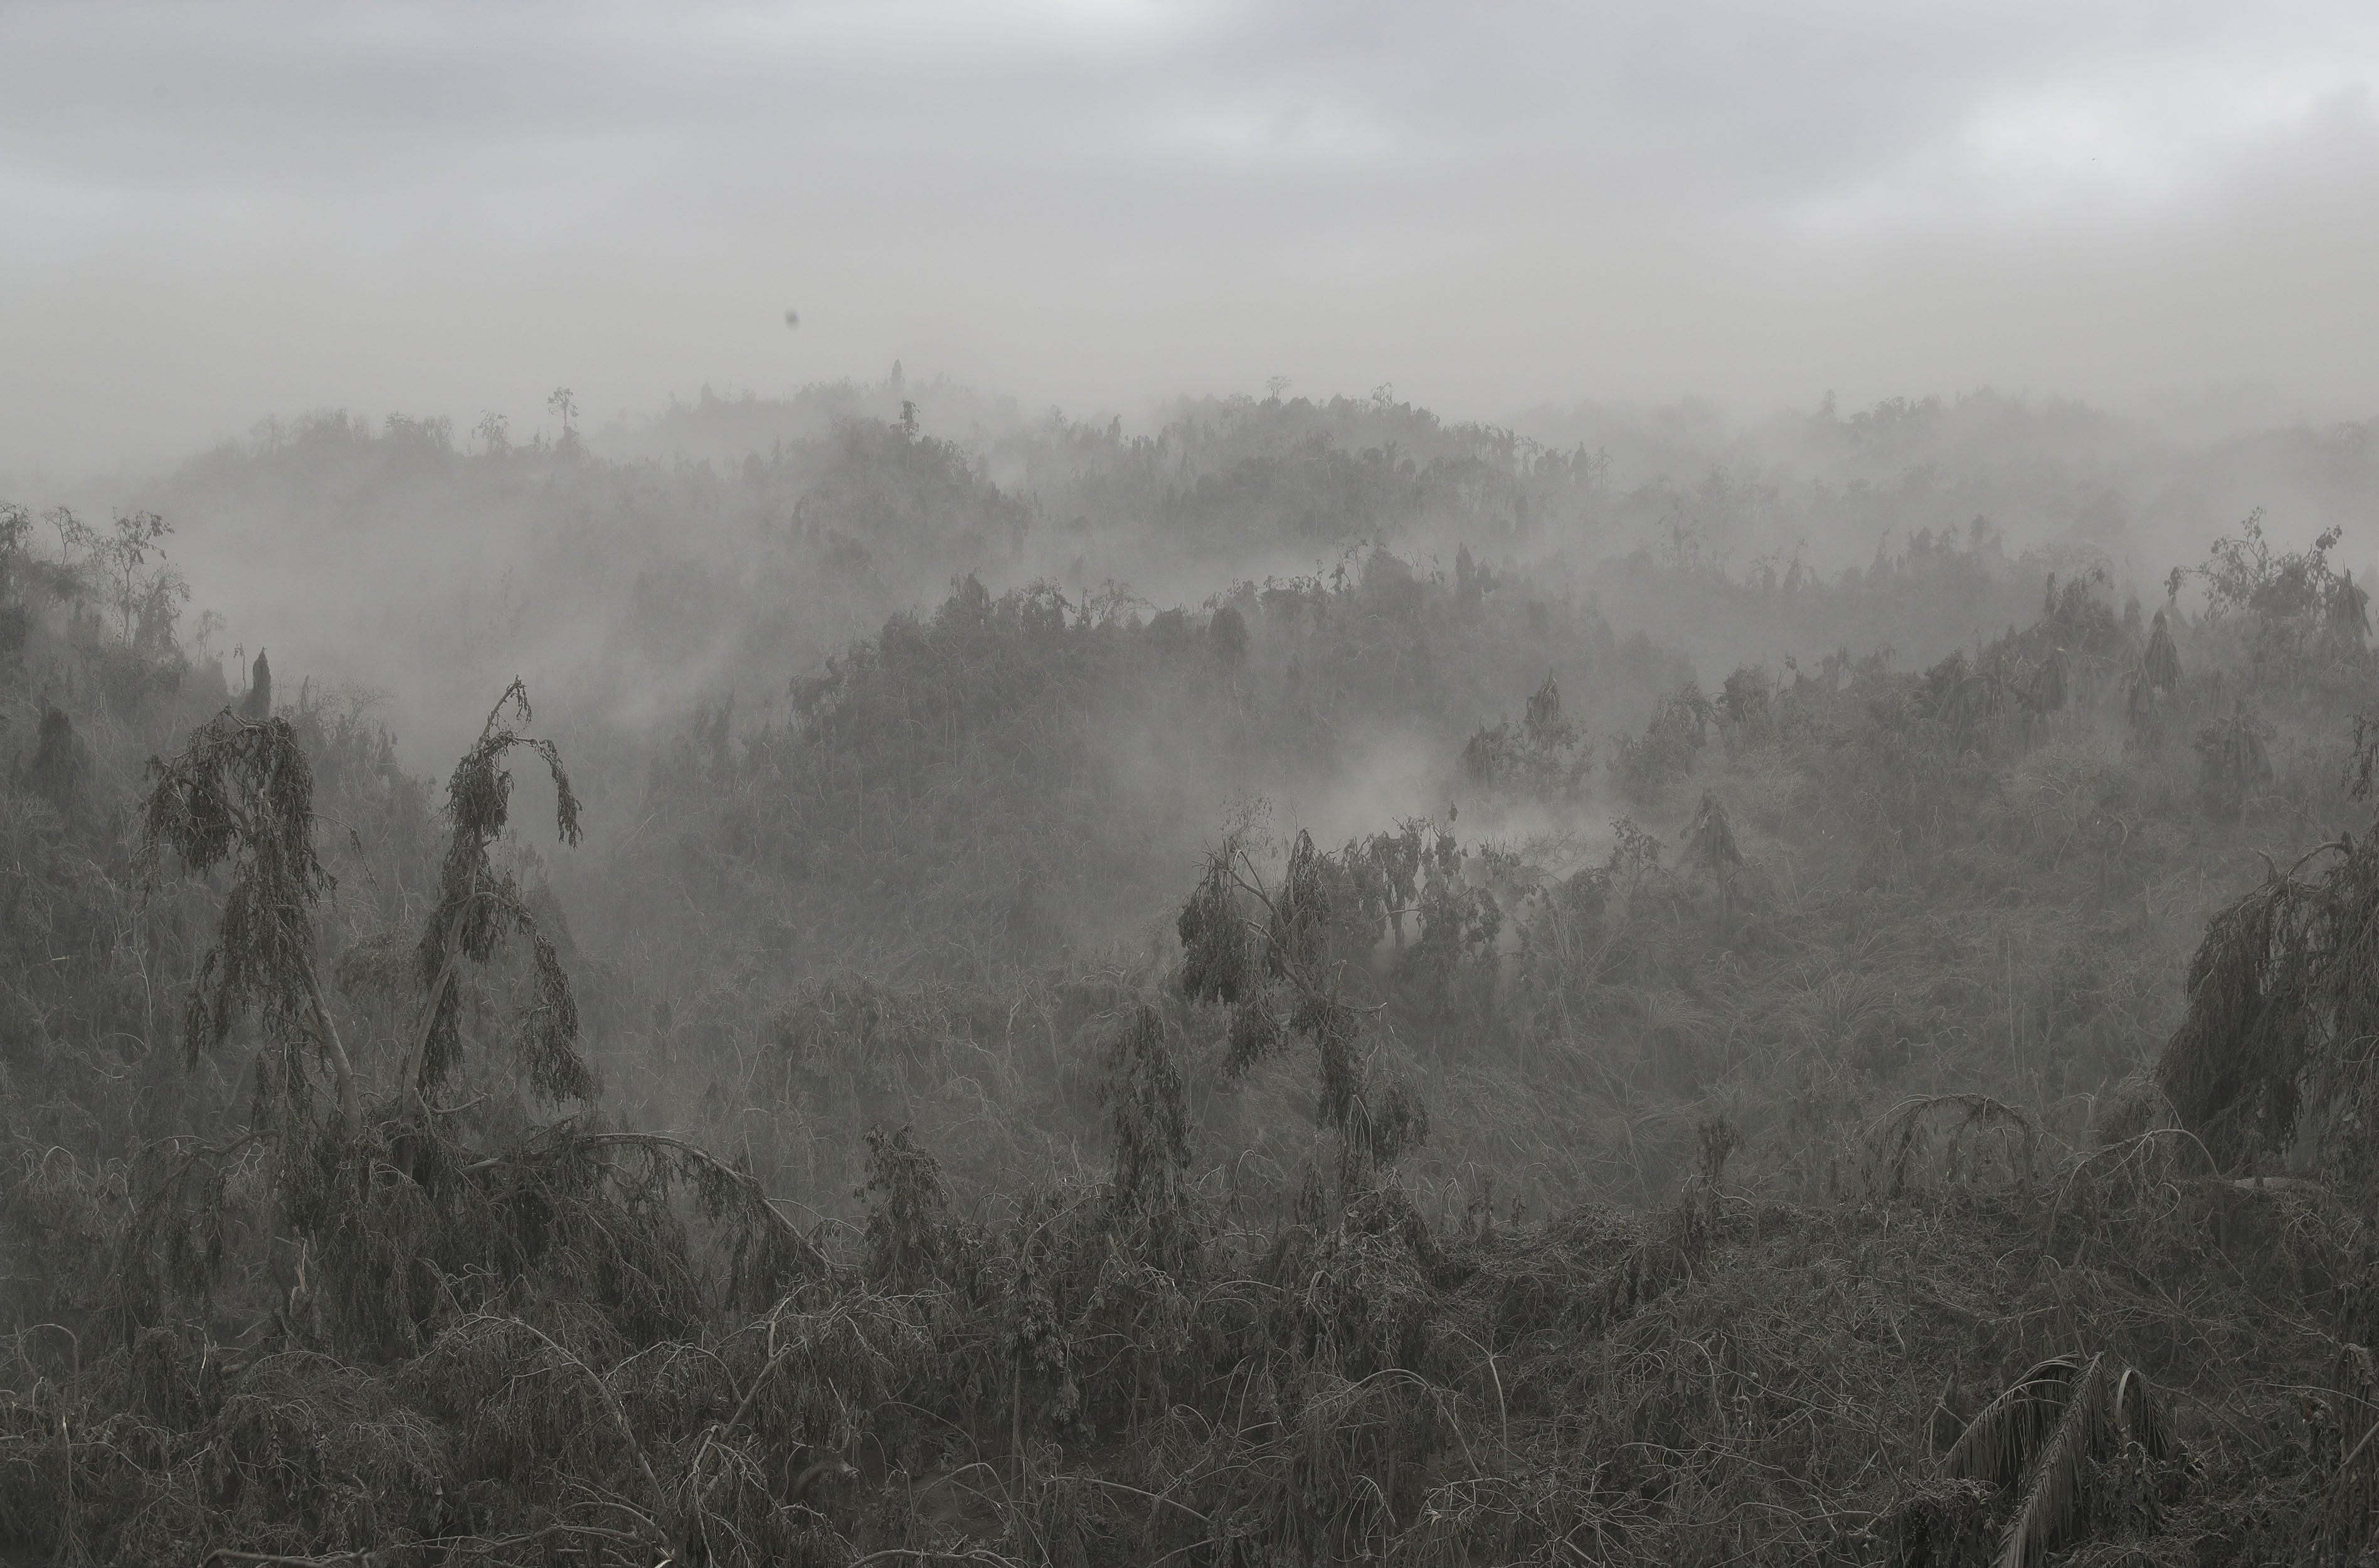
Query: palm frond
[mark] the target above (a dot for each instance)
(2054, 1501)
(2001, 1439)
(2137, 1417)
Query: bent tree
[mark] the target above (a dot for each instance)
(241, 798)
(1265, 951)
(462, 1240)
(480, 904)
(2271, 1066)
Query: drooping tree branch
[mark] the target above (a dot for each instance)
(241, 797)
(478, 905)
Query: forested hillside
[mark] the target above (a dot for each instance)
(635, 571)
(1311, 985)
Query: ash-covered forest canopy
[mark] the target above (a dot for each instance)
(867, 978)
(635, 569)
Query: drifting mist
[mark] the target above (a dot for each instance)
(1100, 783)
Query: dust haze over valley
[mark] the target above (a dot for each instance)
(1260, 786)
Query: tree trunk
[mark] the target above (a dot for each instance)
(350, 1102)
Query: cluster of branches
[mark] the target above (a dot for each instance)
(2295, 612)
(2270, 1067)
(388, 1172)
(111, 565)
(1262, 948)
(1544, 759)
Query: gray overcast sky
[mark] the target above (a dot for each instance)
(217, 212)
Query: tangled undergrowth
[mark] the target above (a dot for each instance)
(1123, 1370)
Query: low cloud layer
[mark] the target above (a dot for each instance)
(226, 212)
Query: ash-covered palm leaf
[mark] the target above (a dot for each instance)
(2055, 1499)
(2043, 1439)
(2000, 1441)
(2138, 1417)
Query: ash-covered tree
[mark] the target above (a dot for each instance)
(2294, 612)
(1648, 765)
(1226, 633)
(2346, 620)
(2233, 760)
(1262, 949)
(399, 1201)
(2150, 686)
(2271, 1066)
(240, 798)
(59, 769)
(1544, 757)
(1709, 843)
(2161, 664)
(257, 703)
(1148, 1114)
(1746, 702)
(480, 905)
